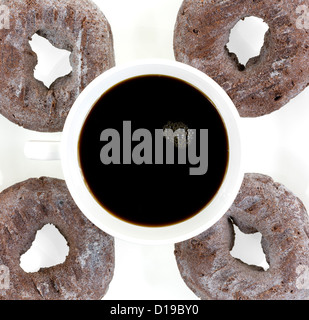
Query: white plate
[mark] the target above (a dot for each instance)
(276, 145)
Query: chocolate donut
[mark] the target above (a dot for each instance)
(268, 81)
(88, 269)
(74, 25)
(209, 270)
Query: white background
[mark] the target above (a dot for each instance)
(276, 145)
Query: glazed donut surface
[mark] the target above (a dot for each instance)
(268, 81)
(76, 26)
(87, 270)
(212, 273)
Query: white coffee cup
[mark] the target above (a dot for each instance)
(68, 153)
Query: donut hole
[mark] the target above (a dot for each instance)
(246, 40)
(53, 63)
(248, 249)
(48, 249)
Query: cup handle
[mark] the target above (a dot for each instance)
(42, 150)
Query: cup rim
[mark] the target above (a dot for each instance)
(144, 234)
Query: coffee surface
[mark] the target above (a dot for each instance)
(153, 150)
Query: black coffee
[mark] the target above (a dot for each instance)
(153, 150)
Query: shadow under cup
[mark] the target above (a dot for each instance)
(155, 155)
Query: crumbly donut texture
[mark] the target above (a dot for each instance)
(88, 269)
(269, 81)
(74, 25)
(209, 270)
